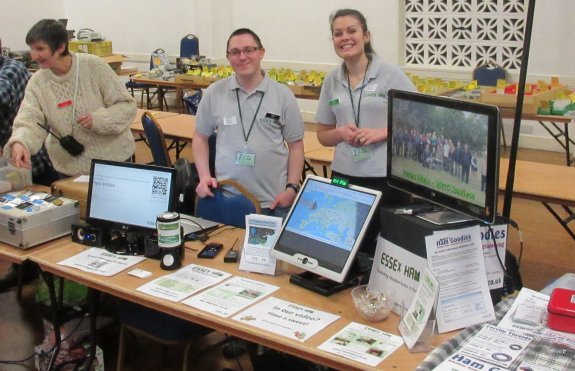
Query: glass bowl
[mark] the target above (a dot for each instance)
(372, 305)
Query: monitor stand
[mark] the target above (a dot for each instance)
(360, 269)
(443, 217)
(126, 242)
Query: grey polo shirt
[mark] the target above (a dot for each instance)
(278, 121)
(334, 108)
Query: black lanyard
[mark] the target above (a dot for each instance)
(356, 118)
(242, 120)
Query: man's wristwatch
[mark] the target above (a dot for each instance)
(293, 186)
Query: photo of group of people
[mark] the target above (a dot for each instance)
(441, 148)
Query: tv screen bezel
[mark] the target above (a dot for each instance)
(295, 258)
(488, 212)
(114, 224)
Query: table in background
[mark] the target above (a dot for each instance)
(561, 135)
(178, 128)
(180, 85)
(321, 156)
(124, 286)
(546, 183)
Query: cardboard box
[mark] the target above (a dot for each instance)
(29, 218)
(401, 254)
(530, 102)
(115, 61)
(99, 48)
(561, 310)
(71, 189)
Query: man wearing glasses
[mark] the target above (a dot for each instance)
(259, 130)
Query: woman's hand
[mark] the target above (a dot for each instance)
(85, 120)
(367, 136)
(20, 156)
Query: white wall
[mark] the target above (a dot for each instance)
(17, 16)
(295, 33)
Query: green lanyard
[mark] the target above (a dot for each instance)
(242, 120)
(356, 118)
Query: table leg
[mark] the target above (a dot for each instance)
(49, 279)
(563, 221)
(565, 143)
(93, 300)
(567, 140)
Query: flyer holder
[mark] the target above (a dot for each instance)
(424, 341)
(417, 324)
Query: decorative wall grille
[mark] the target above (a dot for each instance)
(464, 33)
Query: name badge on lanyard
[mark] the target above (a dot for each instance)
(245, 158)
(361, 153)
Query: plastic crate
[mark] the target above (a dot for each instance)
(100, 48)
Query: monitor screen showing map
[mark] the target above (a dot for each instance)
(325, 227)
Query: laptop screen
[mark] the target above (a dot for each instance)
(124, 194)
(325, 227)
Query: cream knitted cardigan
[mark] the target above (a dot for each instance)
(48, 101)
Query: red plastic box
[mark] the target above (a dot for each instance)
(561, 310)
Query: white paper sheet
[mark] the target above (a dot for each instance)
(414, 320)
(285, 318)
(455, 258)
(101, 262)
(231, 296)
(261, 233)
(184, 282)
(362, 343)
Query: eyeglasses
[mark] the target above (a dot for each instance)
(249, 50)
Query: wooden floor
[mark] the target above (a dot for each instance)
(548, 253)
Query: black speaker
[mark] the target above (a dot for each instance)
(88, 235)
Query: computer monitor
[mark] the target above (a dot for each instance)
(325, 226)
(129, 196)
(445, 151)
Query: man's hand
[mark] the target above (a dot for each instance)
(20, 156)
(284, 199)
(204, 187)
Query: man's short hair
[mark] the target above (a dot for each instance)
(51, 32)
(244, 31)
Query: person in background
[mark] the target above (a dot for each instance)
(352, 111)
(259, 130)
(13, 79)
(79, 99)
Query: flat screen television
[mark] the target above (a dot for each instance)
(325, 226)
(445, 151)
(129, 196)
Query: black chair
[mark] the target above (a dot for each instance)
(192, 102)
(156, 140)
(230, 204)
(189, 46)
(487, 75)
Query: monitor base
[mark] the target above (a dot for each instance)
(322, 285)
(444, 216)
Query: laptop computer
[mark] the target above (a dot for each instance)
(197, 225)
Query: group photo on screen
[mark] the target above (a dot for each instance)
(441, 148)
